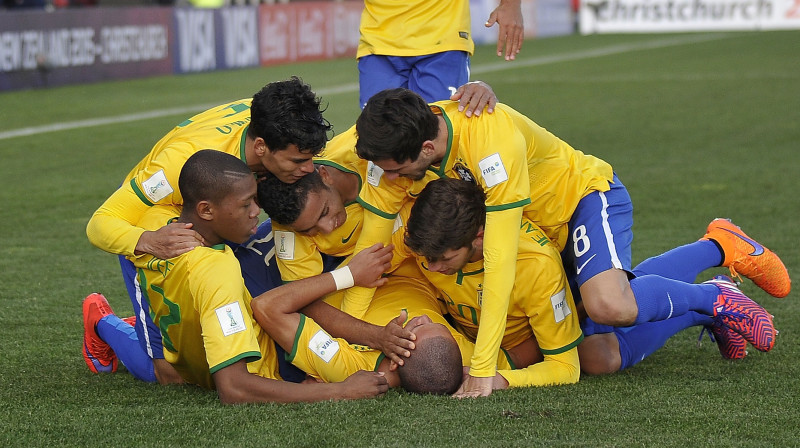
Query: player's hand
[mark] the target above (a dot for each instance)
(475, 387)
(473, 96)
(363, 384)
(511, 34)
(368, 265)
(169, 241)
(396, 341)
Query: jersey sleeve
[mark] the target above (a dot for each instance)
(500, 244)
(112, 227)
(562, 368)
(298, 255)
(225, 318)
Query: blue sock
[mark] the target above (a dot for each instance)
(660, 298)
(683, 263)
(121, 336)
(640, 341)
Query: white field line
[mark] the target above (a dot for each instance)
(353, 87)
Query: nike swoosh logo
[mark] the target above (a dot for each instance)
(345, 240)
(580, 268)
(757, 248)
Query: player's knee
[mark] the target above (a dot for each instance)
(610, 309)
(599, 354)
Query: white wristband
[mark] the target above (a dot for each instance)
(343, 278)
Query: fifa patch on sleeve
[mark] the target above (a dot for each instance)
(560, 307)
(374, 173)
(323, 346)
(230, 318)
(284, 245)
(492, 170)
(156, 187)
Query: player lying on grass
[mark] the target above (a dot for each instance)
(200, 303)
(575, 199)
(277, 131)
(447, 243)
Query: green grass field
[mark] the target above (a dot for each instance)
(698, 126)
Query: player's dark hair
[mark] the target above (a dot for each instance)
(393, 125)
(288, 112)
(285, 202)
(209, 175)
(447, 215)
(434, 367)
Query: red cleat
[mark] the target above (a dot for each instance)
(98, 355)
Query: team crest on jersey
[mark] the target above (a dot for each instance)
(156, 187)
(323, 346)
(231, 319)
(560, 306)
(480, 296)
(463, 172)
(374, 173)
(284, 245)
(493, 170)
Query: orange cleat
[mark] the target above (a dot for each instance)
(98, 355)
(130, 320)
(745, 256)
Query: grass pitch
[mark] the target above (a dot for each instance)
(698, 126)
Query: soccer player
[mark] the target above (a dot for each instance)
(447, 243)
(277, 131)
(200, 303)
(425, 46)
(573, 197)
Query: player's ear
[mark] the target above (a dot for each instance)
(327, 179)
(393, 366)
(477, 243)
(428, 148)
(205, 210)
(260, 147)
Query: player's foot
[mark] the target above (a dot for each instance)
(738, 312)
(731, 344)
(745, 256)
(98, 355)
(130, 320)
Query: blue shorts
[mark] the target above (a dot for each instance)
(434, 76)
(600, 235)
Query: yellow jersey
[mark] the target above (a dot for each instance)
(414, 27)
(200, 303)
(154, 180)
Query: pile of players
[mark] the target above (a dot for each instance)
(426, 248)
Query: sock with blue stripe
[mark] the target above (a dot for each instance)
(121, 336)
(683, 263)
(640, 341)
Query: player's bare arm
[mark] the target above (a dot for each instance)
(511, 33)
(236, 385)
(169, 241)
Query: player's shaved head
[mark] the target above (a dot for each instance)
(393, 126)
(210, 175)
(434, 367)
(433, 229)
(285, 202)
